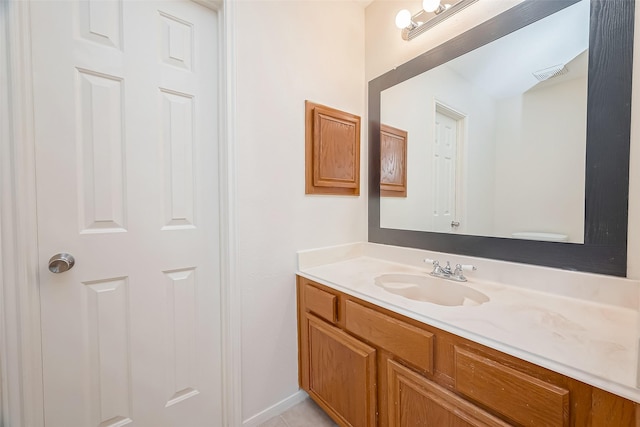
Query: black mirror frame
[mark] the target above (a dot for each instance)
(607, 153)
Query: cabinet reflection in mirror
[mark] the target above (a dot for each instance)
(497, 136)
(517, 139)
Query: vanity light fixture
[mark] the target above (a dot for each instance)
(432, 13)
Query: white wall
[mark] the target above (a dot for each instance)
(633, 246)
(542, 135)
(287, 51)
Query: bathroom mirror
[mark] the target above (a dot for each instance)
(573, 139)
(497, 136)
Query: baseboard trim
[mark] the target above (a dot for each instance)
(276, 409)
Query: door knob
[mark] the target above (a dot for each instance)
(455, 223)
(59, 263)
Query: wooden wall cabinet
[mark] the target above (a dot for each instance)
(332, 151)
(367, 366)
(393, 162)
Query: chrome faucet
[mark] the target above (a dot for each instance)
(447, 273)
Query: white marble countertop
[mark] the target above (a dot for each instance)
(562, 330)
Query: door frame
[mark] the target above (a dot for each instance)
(21, 379)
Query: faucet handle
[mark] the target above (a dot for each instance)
(466, 267)
(436, 265)
(435, 262)
(457, 274)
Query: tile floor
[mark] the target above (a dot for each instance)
(304, 414)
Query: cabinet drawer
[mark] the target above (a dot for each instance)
(520, 397)
(321, 303)
(415, 401)
(409, 343)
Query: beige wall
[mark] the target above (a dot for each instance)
(287, 51)
(385, 50)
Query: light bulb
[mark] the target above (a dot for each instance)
(430, 5)
(403, 19)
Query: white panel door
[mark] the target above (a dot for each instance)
(444, 172)
(126, 114)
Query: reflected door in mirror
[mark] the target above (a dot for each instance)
(445, 168)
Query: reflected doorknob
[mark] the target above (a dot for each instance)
(59, 263)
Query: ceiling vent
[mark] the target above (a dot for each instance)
(548, 73)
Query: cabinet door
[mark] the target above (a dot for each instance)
(342, 374)
(415, 401)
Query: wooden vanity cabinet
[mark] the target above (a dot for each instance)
(367, 366)
(339, 371)
(414, 400)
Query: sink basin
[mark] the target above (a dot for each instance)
(430, 289)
